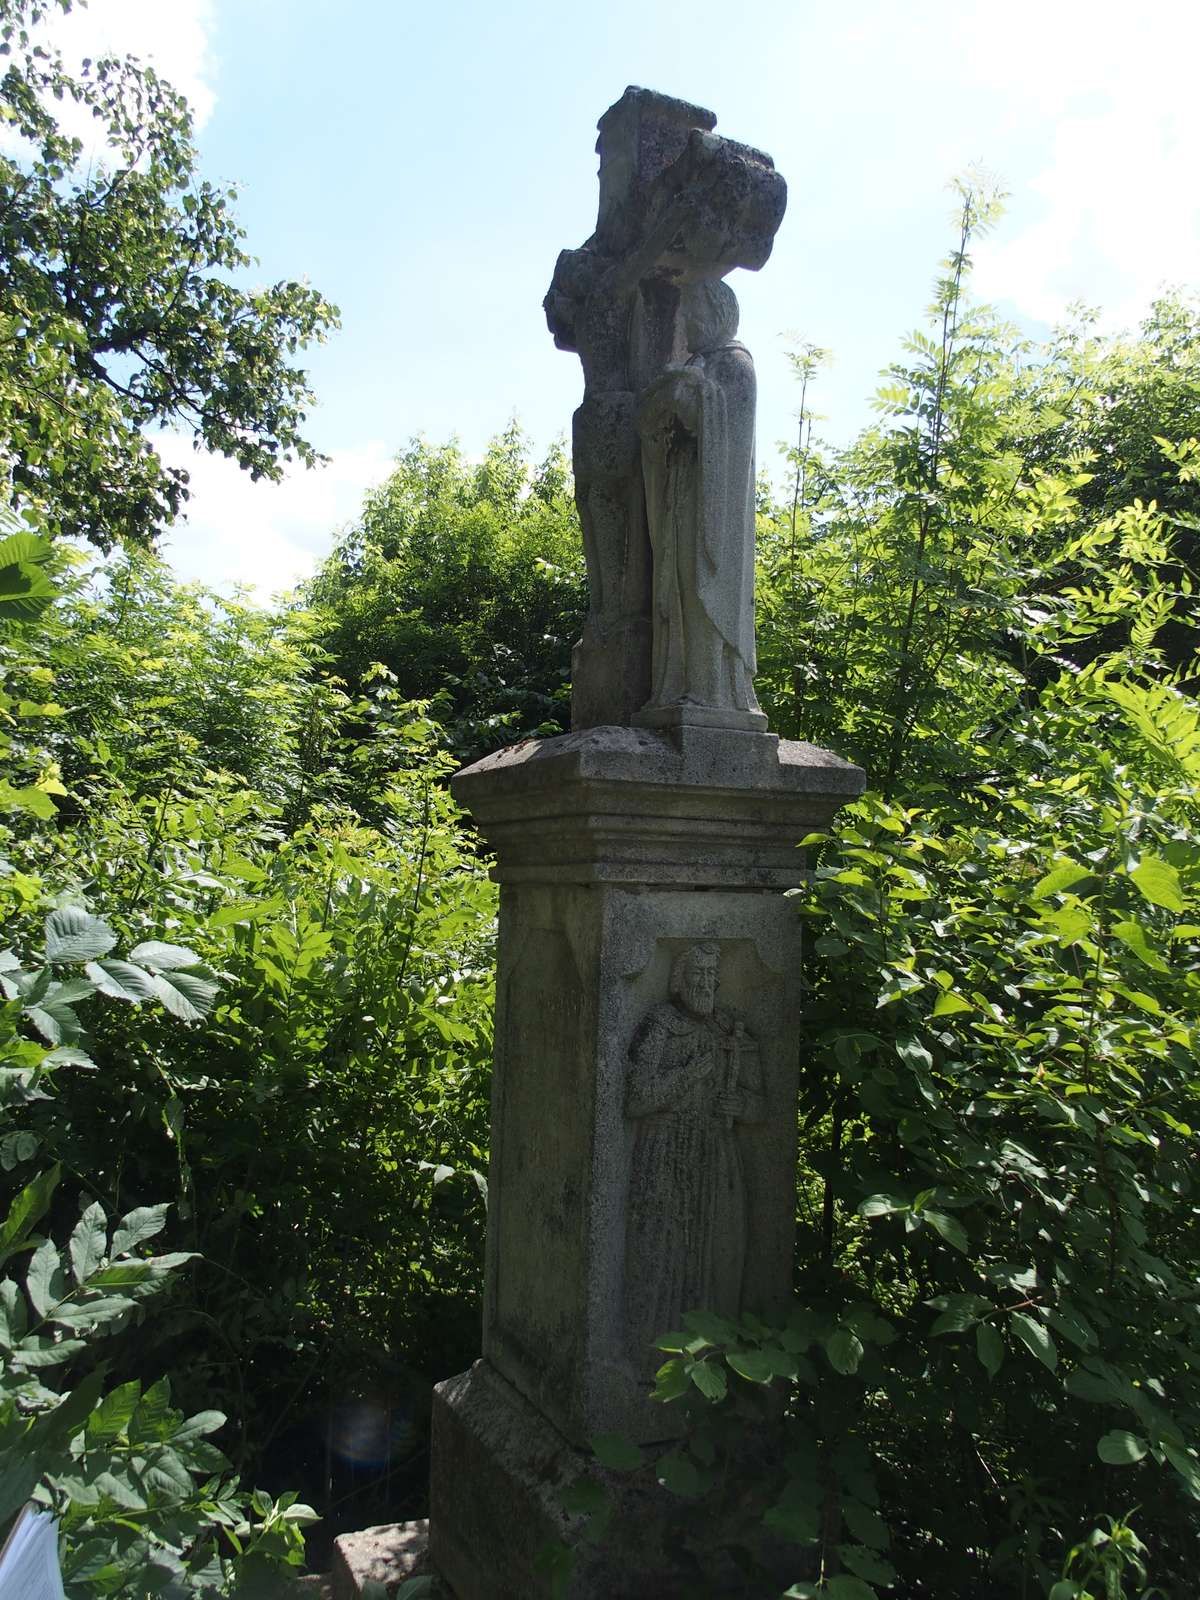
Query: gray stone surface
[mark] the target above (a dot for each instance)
(701, 806)
(643, 1145)
(694, 1091)
(619, 850)
(679, 208)
(581, 967)
(498, 1474)
(388, 1555)
(498, 1541)
(696, 424)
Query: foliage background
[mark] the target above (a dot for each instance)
(988, 600)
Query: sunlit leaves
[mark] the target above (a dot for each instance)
(122, 310)
(1036, 1338)
(73, 935)
(1121, 1448)
(1159, 883)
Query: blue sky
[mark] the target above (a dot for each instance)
(423, 164)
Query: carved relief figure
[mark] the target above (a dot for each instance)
(693, 1075)
(697, 428)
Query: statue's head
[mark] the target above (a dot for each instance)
(694, 978)
(710, 314)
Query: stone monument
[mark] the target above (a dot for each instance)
(647, 1014)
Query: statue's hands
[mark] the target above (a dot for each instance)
(729, 1103)
(704, 1062)
(674, 396)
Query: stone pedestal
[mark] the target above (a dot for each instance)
(631, 861)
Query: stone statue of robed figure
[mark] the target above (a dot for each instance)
(663, 442)
(696, 422)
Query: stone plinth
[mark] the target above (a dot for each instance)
(638, 872)
(389, 1555)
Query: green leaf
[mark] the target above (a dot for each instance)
(845, 1587)
(45, 1282)
(1061, 878)
(1092, 1386)
(44, 1351)
(13, 1320)
(91, 1313)
(121, 980)
(961, 1312)
(1158, 882)
(111, 1417)
(55, 1023)
(1133, 936)
(167, 1475)
(25, 592)
(845, 1350)
(914, 1054)
(716, 1330)
(883, 1205)
(186, 995)
(200, 1425)
(27, 1209)
(989, 1347)
(1071, 1327)
(948, 1003)
(161, 957)
(74, 935)
(867, 1526)
(1121, 1449)
(756, 1366)
(865, 1563)
(138, 1226)
(801, 1523)
(673, 1343)
(1185, 1465)
(680, 1474)
(950, 1228)
(87, 1242)
(671, 1382)
(1036, 1338)
(614, 1450)
(710, 1379)
(24, 548)
(132, 1273)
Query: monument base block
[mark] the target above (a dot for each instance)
(498, 1526)
(643, 1147)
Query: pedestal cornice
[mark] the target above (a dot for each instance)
(698, 807)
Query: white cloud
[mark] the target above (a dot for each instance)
(173, 35)
(1110, 214)
(265, 535)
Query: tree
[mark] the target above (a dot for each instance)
(122, 304)
(466, 581)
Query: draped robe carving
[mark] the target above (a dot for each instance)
(696, 423)
(692, 1078)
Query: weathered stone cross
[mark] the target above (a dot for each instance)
(679, 206)
(643, 1141)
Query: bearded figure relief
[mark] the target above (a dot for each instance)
(694, 1075)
